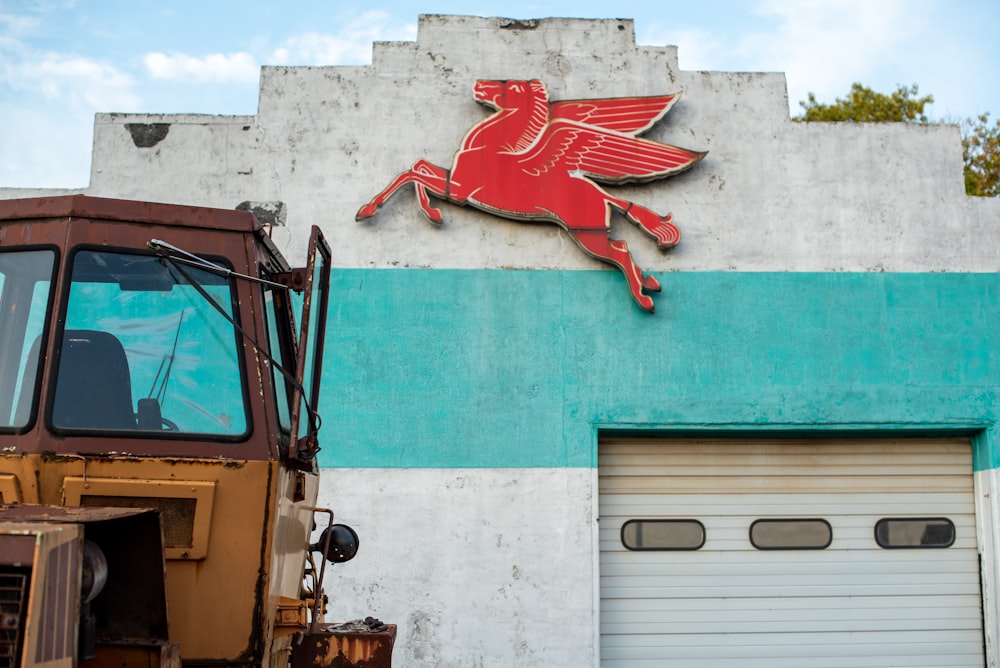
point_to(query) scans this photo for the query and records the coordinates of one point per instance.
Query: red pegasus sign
(536, 160)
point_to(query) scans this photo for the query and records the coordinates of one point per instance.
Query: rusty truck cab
(149, 358)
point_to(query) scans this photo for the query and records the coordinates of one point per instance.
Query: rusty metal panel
(16, 550)
(61, 514)
(101, 208)
(155, 655)
(329, 645)
(46, 627)
(59, 603)
(9, 489)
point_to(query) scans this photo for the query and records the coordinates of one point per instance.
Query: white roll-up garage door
(766, 553)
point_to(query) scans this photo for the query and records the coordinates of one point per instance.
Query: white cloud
(352, 45)
(70, 80)
(822, 46)
(237, 67)
(47, 101)
(46, 147)
(14, 25)
(826, 45)
(48, 120)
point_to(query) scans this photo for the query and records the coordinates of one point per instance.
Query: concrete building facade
(498, 410)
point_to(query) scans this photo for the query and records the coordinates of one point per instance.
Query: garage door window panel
(663, 535)
(915, 532)
(791, 534)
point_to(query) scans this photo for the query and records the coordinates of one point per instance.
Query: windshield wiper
(162, 248)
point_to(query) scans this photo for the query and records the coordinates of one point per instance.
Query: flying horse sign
(536, 160)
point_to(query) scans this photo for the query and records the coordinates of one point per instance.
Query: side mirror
(338, 543)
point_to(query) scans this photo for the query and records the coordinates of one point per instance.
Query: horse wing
(604, 156)
(630, 115)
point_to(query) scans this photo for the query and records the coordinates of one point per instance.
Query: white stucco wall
(478, 567)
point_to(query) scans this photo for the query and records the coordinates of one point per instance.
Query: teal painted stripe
(494, 368)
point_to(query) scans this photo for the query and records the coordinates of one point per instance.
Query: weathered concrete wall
(494, 565)
(771, 195)
(830, 278)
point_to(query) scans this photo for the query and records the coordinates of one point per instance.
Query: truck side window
(314, 331)
(145, 348)
(25, 280)
(281, 349)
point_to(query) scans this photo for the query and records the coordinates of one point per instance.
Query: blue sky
(62, 61)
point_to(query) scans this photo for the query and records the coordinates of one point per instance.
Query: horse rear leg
(433, 214)
(614, 251)
(426, 177)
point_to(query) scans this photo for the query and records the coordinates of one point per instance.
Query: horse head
(501, 94)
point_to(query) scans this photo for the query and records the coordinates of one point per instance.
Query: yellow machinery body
(234, 534)
(157, 360)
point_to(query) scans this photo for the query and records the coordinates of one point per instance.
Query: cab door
(309, 354)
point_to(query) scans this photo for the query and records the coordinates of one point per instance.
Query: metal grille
(13, 601)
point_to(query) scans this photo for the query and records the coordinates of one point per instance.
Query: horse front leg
(426, 177)
(614, 251)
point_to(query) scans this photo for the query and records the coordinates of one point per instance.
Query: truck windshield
(25, 279)
(144, 348)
